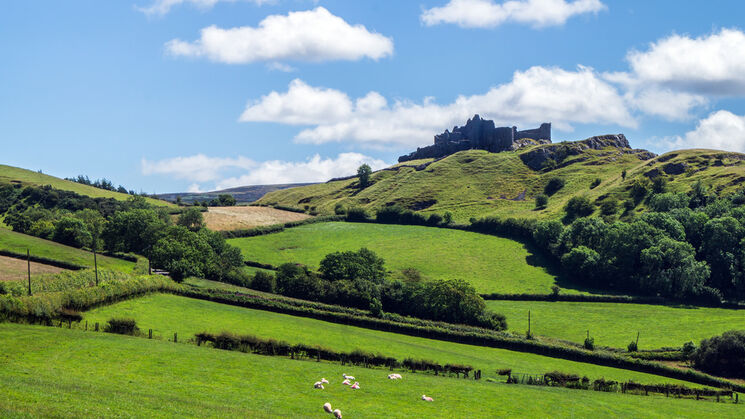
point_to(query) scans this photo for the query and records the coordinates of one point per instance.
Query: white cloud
(721, 130)
(487, 13)
(313, 35)
(533, 96)
(678, 74)
(275, 66)
(200, 169)
(314, 169)
(712, 64)
(162, 7)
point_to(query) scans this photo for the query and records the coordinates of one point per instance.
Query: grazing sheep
(427, 398)
(324, 381)
(398, 376)
(327, 408)
(356, 385)
(348, 377)
(337, 414)
(318, 384)
(394, 376)
(346, 382)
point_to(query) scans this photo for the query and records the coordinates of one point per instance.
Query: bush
(434, 220)
(555, 290)
(609, 207)
(264, 281)
(595, 183)
(339, 209)
(448, 218)
(541, 201)
(633, 347)
(356, 214)
(578, 206)
(589, 344)
(689, 348)
(553, 186)
(122, 326)
(722, 355)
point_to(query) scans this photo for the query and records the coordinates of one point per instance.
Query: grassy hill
(242, 194)
(615, 325)
(18, 243)
(10, 174)
(166, 314)
(477, 183)
(491, 264)
(101, 375)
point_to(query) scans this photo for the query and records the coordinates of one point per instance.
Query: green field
(70, 373)
(615, 324)
(491, 264)
(10, 174)
(167, 314)
(476, 183)
(17, 242)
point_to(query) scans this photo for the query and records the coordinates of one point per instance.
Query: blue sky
(175, 95)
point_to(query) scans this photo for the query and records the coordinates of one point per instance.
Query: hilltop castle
(483, 135)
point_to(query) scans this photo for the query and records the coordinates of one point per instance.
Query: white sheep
(394, 376)
(348, 377)
(327, 408)
(427, 398)
(356, 385)
(346, 382)
(318, 384)
(398, 376)
(324, 381)
(337, 414)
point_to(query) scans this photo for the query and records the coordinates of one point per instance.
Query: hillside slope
(16, 175)
(476, 183)
(242, 194)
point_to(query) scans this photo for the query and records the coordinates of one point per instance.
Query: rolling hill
(15, 175)
(477, 183)
(242, 194)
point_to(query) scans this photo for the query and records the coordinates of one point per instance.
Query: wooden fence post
(28, 261)
(175, 337)
(150, 333)
(96, 326)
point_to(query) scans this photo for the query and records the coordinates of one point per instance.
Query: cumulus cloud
(313, 35)
(487, 13)
(678, 74)
(721, 130)
(200, 169)
(162, 7)
(712, 64)
(533, 96)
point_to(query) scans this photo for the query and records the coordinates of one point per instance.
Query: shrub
(447, 218)
(264, 281)
(722, 355)
(578, 206)
(356, 214)
(553, 185)
(689, 348)
(595, 183)
(589, 343)
(541, 201)
(434, 219)
(339, 209)
(376, 308)
(555, 290)
(633, 347)
(609, 207)
(122, 326)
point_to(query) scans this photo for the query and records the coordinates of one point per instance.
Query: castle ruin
(480, 134)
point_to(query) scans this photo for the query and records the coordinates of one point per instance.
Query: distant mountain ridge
(242, 194)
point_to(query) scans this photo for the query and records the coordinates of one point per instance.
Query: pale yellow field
(13, 269)
(234, 218)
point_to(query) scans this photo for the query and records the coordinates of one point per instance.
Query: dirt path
(14, 269)
(233, 218)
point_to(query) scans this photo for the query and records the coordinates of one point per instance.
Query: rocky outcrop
(480, 134)
(539, 158)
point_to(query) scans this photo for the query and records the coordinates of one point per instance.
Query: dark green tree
(191, 218)
(363, 173)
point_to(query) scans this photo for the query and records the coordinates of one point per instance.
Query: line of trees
(102, 183)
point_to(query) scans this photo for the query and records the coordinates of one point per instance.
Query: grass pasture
(12, 269)
(615, 324)
(10, 174)
(244, 217)
(101, 375)
(166, 314)
(18, 243)
(491, 264)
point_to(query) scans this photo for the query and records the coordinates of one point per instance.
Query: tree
(264, 281)
(722, 355)
(639, 189)
(183, 253)
(582, 263)
(363, 264)
(609, 207)
(578, 206)
(548, 234)
(363, 173)
(448, 218)
(670, 268)
(226, 200)
(553, 186)
(659, 185)
(72, 232)
(135, 231)
(191, 218)
(623, 174)
(541, 201)
(94, 223)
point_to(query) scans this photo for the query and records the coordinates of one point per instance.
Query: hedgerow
(276, 228)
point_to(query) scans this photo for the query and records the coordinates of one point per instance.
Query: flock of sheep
(348, 382)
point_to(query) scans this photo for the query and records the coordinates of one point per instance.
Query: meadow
(489, 263)
(18, 243)
(167, 314)
(10, 174)
(245, 217)
(12, 269)
(96, 374)
(615, 324)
